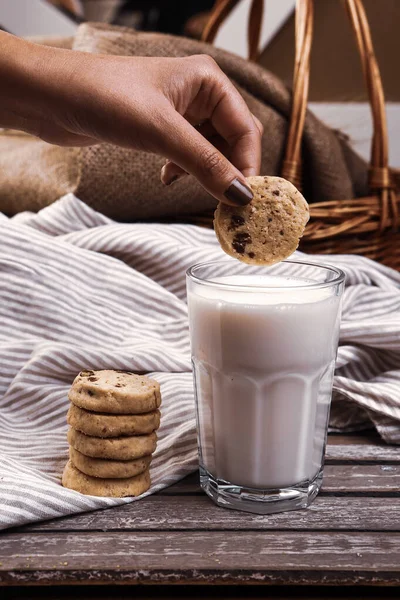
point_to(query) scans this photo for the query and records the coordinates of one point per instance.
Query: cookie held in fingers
(120, 448)
(268, 229)
(115, 392)
(105, 426)
(106, 468)
(94, 486)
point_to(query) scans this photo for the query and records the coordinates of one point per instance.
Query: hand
(184, 109)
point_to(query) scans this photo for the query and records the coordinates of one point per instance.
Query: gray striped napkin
(78, 290)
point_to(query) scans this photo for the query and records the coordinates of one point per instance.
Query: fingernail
(171, 180)
(238, 193)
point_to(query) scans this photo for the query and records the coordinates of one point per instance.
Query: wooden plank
(363, 453)
(341, 478)
(188, 485)
(356, 479)
(361, 449)
(338, 479)
(201, 557)
(362, 437)
(157, 513)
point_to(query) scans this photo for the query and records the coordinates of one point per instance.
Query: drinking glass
(264, 343)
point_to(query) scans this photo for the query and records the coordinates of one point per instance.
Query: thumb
(191, 151)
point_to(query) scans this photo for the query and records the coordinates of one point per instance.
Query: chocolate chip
(243, 237)
(240, 240)
(236, 221)
(239, 247)
(90, 393)
(86, 373)
(251, 255)
(270, 220)
(275, 192)
(281, 232)
(93, 379)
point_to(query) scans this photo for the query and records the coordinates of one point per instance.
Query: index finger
(233, 120)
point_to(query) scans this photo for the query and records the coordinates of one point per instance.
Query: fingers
(237, 126)
(260, 126)
(171, 172)
(192, 152)
(233, 121)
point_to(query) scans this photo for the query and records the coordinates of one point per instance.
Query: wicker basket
(369, 225)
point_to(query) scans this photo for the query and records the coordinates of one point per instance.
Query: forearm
(146, 103)
(32, 78)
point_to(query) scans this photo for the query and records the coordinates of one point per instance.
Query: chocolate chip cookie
(106, 468)
(95, 486)
(119, 448)
(115, 392)
(106, 426)
(268, 229)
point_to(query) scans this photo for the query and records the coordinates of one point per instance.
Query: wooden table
(350, 536)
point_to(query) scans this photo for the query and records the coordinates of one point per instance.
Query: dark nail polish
(173, 178)
(238, 193)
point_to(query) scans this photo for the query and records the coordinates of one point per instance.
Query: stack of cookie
(113, 417)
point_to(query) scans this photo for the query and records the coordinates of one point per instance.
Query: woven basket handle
(379, 173)
(380, 180)
(222, 9)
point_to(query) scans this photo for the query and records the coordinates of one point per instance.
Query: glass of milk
(264, 343)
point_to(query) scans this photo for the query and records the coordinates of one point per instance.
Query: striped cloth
(78, 290)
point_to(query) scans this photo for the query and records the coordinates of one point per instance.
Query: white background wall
(233, 33)
(354, 119)
(34, 17)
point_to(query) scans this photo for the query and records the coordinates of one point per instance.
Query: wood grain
(362, 453)
(362, 437)
(356, 479)
(195, 513)
(199, 557)
(349, 536)
(347, 478)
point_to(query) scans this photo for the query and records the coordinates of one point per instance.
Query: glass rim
(338, 279)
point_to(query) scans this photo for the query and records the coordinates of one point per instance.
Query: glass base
(262, 502)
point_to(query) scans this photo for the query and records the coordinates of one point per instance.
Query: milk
(263, 356)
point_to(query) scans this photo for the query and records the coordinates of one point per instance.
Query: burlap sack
(125, 184)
